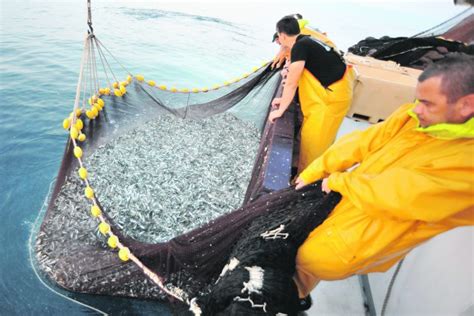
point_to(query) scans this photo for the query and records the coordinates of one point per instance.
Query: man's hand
(280, 58)
(299, 183)
(276, 102)
(276, 63)
(324, 186)
(274, 115)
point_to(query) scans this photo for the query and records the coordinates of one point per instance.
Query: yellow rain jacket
(323, 111)
(409, 186)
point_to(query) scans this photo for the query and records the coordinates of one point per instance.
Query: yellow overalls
(323, 111)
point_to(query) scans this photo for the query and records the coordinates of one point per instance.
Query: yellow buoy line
(75, 127)
(152, 83)
(104, 227)
(119, 89)
(74, 124)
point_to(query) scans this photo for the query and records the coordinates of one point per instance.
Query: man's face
(433, 107)
(282, 39)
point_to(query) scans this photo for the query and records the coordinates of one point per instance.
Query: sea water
(183, 43)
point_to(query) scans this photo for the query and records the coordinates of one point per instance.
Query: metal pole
(367, 295)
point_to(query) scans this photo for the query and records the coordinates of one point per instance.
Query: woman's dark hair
(288, 25)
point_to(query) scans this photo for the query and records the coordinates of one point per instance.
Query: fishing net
(258, 277)
(180, 181)
(422, 49)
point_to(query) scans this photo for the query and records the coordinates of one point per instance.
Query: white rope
(123, 67)
(99, 49)
(275, 233)
(79, 81)
(91, 80)
(94, 67)
(102, 62)
(31, 256)
(252, 304)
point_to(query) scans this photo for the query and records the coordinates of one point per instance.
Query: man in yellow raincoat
(414, 179)
(325, 86)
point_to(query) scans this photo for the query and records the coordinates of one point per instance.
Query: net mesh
(422, 49)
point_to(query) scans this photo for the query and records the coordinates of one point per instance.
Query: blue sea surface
(184, 44)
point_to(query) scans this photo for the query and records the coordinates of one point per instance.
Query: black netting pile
(424, 48)
(266, 254)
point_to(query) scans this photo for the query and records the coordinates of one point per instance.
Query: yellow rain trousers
(409, 187)
(323, 111)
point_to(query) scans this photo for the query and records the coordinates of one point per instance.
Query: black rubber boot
(305, 303)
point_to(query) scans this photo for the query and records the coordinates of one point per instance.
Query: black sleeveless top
(321, 60)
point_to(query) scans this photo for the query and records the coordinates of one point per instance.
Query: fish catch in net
(160, 188)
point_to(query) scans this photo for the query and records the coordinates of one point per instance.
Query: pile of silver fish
(157, 181)
(173, 175)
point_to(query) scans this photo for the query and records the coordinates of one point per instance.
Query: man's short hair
(275, 37)
(288, 25)
(457, 75)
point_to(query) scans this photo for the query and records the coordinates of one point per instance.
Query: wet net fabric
(409, 52)
(423, 48)
(266, 253)
(74, 255)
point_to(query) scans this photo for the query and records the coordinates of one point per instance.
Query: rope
(94, 66)
(114, 57)
(214, 87)
(84, 83)
(390, 287)
(443, 23)
(102, 62)
(79, 81)
(91, 89)
(33, 232)
(187, 106)
(99, 47)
